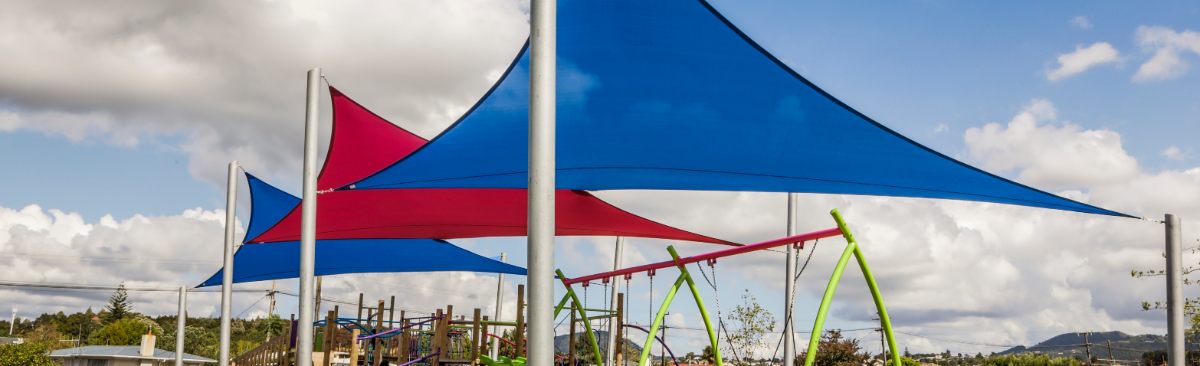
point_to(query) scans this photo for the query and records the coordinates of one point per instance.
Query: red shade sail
(364, 143)
(464, 213)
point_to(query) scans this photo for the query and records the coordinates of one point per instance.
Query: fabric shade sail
(273, 261)
(276, 261)
(671, 95)
(361, 138)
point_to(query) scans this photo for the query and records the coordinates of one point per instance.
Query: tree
(125, 331)
(708, 355)
(27, 354)
(750, 322)
(836, 350)
(118, 305)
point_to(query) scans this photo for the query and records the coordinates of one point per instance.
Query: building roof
(125, 352)
(11, 340)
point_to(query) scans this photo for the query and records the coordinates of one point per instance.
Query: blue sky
(195, 96)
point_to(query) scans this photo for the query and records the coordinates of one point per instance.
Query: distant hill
(1123, 346)
(561, 342)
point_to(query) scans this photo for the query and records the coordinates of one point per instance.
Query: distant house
(143, 355)
(11, 340)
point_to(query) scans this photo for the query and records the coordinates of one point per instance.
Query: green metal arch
(819, 324)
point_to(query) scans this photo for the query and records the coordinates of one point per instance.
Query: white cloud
(1173, 153)
(1082, 59)
(1168, 46)
(1081, 22)
(1050, 153)
(226, 79)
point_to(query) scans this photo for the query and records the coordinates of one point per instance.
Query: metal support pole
(542, 34)
(789, 285)
(1175, 335)
(180, 324)
(610, 345)
(227, 269)
(308, 221)
(495, 348)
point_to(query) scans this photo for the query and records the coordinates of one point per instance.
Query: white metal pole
(12, 324)
(789, 285)
(308, 222)
(542, 33)
(610, 353)
(1175, 345)
(495, 351)
(180, 324)
(227, 270)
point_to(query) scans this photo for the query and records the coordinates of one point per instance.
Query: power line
(51, 286)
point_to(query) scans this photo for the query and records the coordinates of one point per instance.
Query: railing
(274, 352)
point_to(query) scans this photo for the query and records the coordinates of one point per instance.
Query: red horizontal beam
(707, 256)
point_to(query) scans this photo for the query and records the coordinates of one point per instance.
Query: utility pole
(882, 344)
(1108, 345)
(1087, 345)
(495, 349)
(1176, 353)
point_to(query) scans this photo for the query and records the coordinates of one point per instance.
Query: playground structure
(380, 333)
(443, 337)
(710, 258)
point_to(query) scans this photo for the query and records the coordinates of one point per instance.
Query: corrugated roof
(132, 352)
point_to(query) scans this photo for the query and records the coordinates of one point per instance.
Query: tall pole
(610, 353)
(180, 324)
(542, 34)
(789, 285)
(12, 324)
(1175, 345)
(495, 350)
(227, 271)
(308, 221)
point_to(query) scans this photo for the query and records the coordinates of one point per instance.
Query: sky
(116, 125)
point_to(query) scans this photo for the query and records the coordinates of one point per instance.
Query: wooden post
(377, 342)
(483, 337)
(475, 338)
(620, 342)
(402, 357)
(571, 339)
(288, 352)
(358, 318)
(354, 347)
(439, 326)
(519, 333)
(445, 350)
(330, 329)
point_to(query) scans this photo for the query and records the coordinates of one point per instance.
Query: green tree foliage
(27, 354)
(836, 350)
(1029, 359)
(118, 305)
(125, 331)
(708, 355)
(750, 324)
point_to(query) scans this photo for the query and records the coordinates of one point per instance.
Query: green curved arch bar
(818, 325)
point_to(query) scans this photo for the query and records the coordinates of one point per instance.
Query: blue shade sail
(670, 95)
(275, 261)
(268, 205)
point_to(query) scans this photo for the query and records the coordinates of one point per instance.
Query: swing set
(710, 258)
